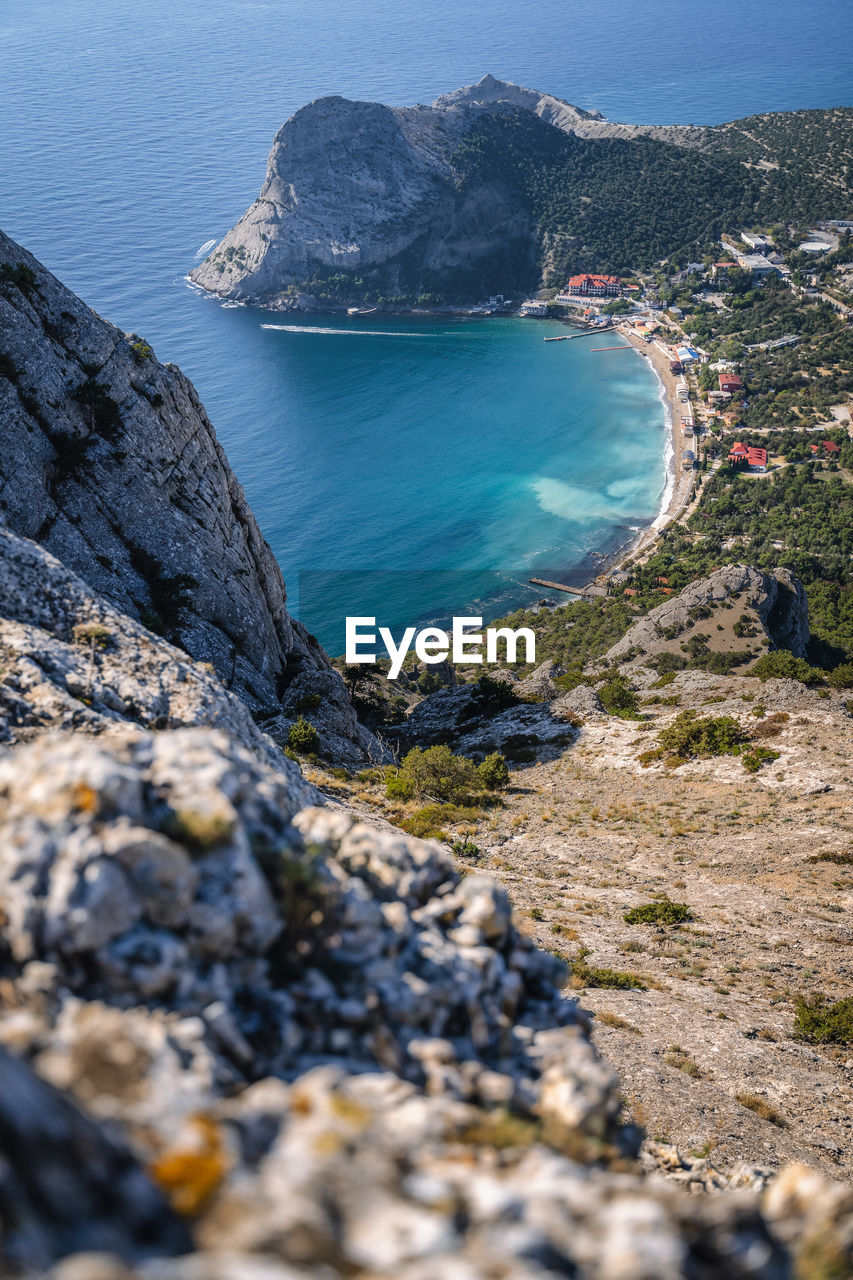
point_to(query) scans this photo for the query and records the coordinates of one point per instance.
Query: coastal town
(693, 325)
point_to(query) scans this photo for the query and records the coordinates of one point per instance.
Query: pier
(569, 337)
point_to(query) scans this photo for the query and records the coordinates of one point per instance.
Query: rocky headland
(248, 1035)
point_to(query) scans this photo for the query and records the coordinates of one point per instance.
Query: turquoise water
(131, 134)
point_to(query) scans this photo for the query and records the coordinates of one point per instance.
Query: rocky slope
(734, 609)
(109, 461)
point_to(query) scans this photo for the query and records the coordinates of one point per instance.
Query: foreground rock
(108, 459)
(331, 1055)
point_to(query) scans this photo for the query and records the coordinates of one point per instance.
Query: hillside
(495, 188)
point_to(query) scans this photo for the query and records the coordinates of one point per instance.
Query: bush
(491, 694)
(782, 665)
(662, 912)
(99, 408)
(821, 1021)
(493, 773)
(689, 736)
(761, 1107)
(590, 975)
(466, 849)
(439, 773)
(619, 699)
(754, 757)
(841, 677)
(429, 822)
(303, 737)
(92, 633)
(399, 788)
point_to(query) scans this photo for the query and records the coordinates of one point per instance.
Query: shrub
(663, 680)
(690, 736)
(841, 677)
(821, 1021)
(429, 822)
(399, 788)
(303, 738)
(439, 773)
(491, 694)
(141, 351)
(761, 1107)
(493, 773)
(590, 975)
(782, 665)
(91, 633)
(22, 276)
(466, 849)
(99, 408)
(754, 757)
(661, 912)
(666, 663)
(619, 699)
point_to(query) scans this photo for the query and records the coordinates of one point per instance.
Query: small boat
(361, 311)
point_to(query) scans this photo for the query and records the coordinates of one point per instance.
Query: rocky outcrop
(71, 661)
(734, 608)
(108, 459)
(354, 186)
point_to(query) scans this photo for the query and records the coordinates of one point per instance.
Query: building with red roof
(594, 286)
(831, 446)
(730, 382)
(745, 455)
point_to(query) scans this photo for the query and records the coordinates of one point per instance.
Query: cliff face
(358, 185)
(108, 459)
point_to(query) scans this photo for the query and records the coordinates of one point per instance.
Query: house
(729, 382)
(743, 455)
(594, 286)
(831, 446)
(721, 269)
(719, 396)
(688, 458)
(534, 307)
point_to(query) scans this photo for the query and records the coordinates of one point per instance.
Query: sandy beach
(679, 482)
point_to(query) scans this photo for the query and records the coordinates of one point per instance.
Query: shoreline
(679, 483)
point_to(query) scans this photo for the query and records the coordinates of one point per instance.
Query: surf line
(367, 333)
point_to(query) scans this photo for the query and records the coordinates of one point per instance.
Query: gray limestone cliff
(109, 461)
(358, 185)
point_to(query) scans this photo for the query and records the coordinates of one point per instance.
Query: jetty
(555, 586)
(569, 337)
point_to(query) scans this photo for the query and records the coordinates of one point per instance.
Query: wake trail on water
(366, 333)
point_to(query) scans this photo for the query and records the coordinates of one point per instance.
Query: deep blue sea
(130, 134)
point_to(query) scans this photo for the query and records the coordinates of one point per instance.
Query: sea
(407, 469)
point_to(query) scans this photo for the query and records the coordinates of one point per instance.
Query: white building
(534, 307)
(756, 244)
